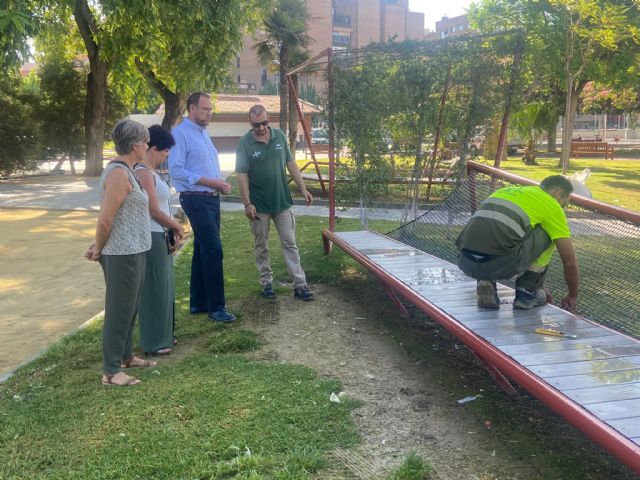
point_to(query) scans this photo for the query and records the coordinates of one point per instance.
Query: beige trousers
(285, 224)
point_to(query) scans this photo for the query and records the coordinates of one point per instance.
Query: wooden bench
(592, 380)
(584, 148)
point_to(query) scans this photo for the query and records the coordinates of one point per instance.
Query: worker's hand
(549, 296)
(308, 198)
(250, 211)
(569, 303)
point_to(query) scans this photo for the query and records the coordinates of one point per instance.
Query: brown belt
(208, 194)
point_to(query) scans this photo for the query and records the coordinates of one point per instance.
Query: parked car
(319, 136)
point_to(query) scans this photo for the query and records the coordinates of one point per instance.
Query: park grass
(616, 182)
(205, 412)
(413, 467)
(219, 415)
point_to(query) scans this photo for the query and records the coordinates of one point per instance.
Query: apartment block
(452, 27)
(336, 24)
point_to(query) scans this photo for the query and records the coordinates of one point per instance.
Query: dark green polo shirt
(265, 164)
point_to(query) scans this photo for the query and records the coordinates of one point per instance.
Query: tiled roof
(227, 103)
(237, 103)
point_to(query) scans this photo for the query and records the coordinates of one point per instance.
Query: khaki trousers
(285, 225)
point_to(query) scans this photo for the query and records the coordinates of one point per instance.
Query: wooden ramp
(593, 380)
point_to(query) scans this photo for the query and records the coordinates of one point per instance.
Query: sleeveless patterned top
(130, 231)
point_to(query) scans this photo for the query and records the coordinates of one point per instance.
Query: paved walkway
(67, 192)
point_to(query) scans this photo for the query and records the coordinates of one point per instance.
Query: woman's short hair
(160, 138)
(127, 133)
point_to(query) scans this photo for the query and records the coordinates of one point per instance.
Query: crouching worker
(514, 233)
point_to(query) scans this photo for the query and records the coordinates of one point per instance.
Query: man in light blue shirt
(195, 172)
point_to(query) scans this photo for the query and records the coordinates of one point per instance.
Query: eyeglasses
(260, 124)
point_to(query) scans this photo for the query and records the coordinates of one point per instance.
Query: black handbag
(170, 239)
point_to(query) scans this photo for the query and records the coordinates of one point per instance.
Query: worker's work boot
(487, 295)
(527, 299)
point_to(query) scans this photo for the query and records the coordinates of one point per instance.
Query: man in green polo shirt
(514, 232)
(261, 158)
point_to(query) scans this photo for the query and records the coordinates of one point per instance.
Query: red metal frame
(618, 445)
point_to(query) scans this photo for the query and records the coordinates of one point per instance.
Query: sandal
(160, 351)
(137, 362)
(109, 379)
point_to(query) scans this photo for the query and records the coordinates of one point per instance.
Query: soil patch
(406, 406)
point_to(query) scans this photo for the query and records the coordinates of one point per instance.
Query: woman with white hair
(122, 239)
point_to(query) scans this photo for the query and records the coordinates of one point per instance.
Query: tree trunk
(567, 126)
(552, 135)
(95, 111)
(174, 105)
(571, 107)
(284, 90)
(95, 115)
(293, 118)
(492, 142)
(502, 136)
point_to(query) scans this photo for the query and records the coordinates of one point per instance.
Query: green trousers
(158, 297)
(519, 261)
(123, 276)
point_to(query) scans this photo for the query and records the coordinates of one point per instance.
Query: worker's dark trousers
(515, 262)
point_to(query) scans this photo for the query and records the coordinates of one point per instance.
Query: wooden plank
(628, 426)
(530, 323)
(609, 393)
(505, 329)
(545, 315)
(615, 377)
(615, 410)
(565, 356)
(588, 367)
(531, 342)
(452, 298)
(528, 337)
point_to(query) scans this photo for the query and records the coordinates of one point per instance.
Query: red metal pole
(307, 134)
(332, 158)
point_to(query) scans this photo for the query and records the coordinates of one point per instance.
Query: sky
(434, 9)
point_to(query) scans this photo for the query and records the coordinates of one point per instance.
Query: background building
(336, 24)
(452, 27)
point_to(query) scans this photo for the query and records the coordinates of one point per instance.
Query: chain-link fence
(607, 248)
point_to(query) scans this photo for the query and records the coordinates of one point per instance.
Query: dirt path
(406, 406)
(47, 288)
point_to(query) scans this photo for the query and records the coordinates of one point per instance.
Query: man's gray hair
(256, 110)
(127, 133)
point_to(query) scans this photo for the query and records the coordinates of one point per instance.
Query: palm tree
(285, 35)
